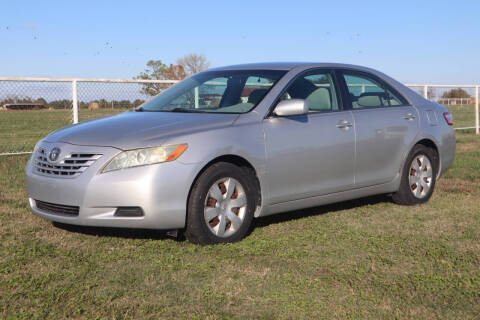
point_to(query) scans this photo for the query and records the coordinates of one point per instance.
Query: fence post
(477, 124)
(425, 92)
(74, 101)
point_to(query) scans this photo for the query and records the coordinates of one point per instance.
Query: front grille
(59, 209)
(70, 166)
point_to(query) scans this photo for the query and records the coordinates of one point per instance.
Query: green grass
(20, 130)
(463, 115)
(363, 259)
(85, 114)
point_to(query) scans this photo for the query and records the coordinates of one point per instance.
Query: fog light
(129, 212)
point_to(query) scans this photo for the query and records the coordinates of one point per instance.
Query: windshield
(230, 91)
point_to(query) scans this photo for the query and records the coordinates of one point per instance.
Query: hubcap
(225, 207)
(420, 176)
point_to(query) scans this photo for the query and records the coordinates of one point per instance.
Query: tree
(194, 63)
(138, 102)
(41, 101)
(154, 71)
(14, 98)
(175, 72)
(456, 93)
(430, 93)
(157, 70)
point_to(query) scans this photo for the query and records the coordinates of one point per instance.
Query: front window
(231, 91)
(317, 88)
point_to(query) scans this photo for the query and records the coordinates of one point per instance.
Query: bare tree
(174, 72)
(430, 93)
(194, 63)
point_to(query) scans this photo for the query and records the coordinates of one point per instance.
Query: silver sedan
(234, 143)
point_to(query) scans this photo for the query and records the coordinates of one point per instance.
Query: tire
(214, 197)
(417, 186)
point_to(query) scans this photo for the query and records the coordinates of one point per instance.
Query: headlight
(142, 157)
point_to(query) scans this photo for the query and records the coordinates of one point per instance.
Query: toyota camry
(231, 144)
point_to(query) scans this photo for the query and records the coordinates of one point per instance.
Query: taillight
(448, 118)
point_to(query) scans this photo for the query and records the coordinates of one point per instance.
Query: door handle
(344, 124)
(409, 116)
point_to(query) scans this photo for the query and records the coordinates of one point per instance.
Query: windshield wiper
(179, 110)
(184, 110)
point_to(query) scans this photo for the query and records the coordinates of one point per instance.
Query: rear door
(385, 126)
(312, 154)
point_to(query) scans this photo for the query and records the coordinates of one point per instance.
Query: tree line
(185, 66)
(456, 93)
(67, 103)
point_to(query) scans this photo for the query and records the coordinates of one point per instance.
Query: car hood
(131, 130)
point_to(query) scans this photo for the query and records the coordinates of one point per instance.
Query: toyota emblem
(54, 153)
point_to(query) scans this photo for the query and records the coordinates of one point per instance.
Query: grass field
(363, 259)
(20, 130)
(463, 116)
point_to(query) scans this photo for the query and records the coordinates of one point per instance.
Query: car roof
(289, 66)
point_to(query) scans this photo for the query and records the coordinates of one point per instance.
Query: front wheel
(418, 177)
(221, 205)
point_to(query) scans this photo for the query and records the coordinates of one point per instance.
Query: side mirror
(291, 107)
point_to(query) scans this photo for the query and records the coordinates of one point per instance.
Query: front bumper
(160, 190)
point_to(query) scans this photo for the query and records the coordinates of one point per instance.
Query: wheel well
(430, 144)
(238, 161)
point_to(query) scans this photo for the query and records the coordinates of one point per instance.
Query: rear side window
(317, 88)
(366, 92)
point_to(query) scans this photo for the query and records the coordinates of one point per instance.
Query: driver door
(313, 154)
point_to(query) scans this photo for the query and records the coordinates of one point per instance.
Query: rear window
(366, 92)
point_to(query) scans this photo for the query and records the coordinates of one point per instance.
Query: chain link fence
(30, 108)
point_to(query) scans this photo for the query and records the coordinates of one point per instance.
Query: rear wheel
(221, 205)
(418, 177)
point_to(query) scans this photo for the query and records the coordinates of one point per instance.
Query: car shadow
(257, 223)
(115, 232)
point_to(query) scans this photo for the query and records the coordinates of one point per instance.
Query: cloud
(32, 26)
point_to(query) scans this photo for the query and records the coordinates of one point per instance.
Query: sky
(412, 41)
